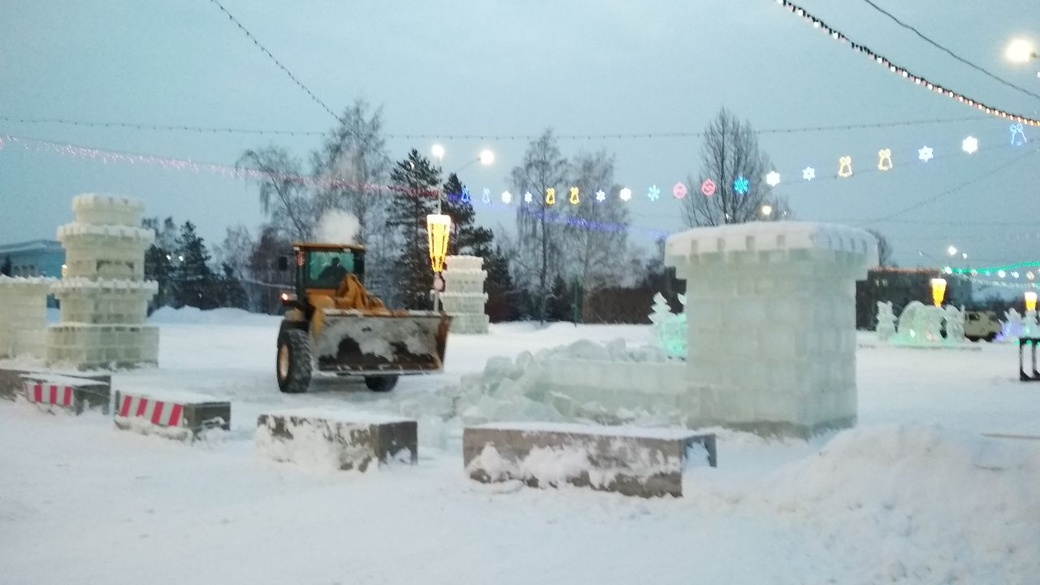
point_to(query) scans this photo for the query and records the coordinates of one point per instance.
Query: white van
(981, 325)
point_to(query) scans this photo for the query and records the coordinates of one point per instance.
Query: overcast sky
(493, 67)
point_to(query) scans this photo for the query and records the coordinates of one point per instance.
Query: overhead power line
(935, 44)
(275, 60)
(952, 190)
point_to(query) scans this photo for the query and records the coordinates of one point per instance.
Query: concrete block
(627, 460)
(177, 415)
(343, 441)
(73, 394)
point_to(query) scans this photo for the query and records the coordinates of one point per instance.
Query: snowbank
(922, 498)
(193, 316)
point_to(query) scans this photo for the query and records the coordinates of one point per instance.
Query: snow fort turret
(103, 292)
(464, 297)
(771, 311)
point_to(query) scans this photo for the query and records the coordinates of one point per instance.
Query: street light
(952, 251)
(1020, 51)
(767, 210)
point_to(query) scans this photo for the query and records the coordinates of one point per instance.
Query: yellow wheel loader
(332, 324)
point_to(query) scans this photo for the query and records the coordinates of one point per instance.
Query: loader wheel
(293, 365)
(380, 383)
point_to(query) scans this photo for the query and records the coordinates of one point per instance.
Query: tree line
(560, 261)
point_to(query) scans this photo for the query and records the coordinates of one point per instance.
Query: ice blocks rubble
(464, 297)
(772, 330)
(104, 296)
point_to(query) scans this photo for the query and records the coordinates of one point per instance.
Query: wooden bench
(631, 461)
(337, 440)
(177, 415)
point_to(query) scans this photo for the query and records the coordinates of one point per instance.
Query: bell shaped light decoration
(938, 291)
(438, 228)
(1030, 300)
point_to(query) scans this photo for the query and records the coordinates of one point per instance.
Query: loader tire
(293, 363)
(380, 383)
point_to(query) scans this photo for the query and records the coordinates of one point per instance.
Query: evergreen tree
(158, 259)
(414, 177)
(230, 290)
(466, 238)
(6, 268)
(502, 295)
(193, 279)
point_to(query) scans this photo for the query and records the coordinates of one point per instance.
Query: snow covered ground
(915, 494)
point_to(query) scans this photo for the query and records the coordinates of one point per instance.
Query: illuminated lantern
(438, 228)
(1030, 300)
(938, 291)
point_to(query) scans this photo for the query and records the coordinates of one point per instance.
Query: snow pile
(922, 498)
(193, 316)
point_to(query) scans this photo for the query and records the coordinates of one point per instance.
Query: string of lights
(487, 136)
(935, 44)
(263, 49)
(177, 164)
(1001, 283)
(902, 71)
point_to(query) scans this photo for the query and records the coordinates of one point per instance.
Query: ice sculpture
(954, 324)
(23, 316)
(464, 297)
(669, 328)
(104, 297)
(1012, 326)
(771, 314)
(886, 321)
(922, 325)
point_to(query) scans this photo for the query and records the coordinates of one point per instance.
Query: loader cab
(321, 267)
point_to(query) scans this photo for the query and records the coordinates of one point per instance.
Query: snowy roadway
(914, 494)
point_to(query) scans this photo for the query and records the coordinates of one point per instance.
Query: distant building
(34, 258)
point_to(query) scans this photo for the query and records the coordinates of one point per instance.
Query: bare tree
(538, 223)
(730, 153)
(283, 193)
(597, 231)
(351, 169)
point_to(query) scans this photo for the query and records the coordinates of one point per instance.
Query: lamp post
(438, 225)
(938, 291)
(1021, 51)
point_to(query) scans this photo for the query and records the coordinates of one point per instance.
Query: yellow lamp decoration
(938, 291)
(1030, 300)
(845, 167)
(550, 196)
(575, 199)
(438, 228)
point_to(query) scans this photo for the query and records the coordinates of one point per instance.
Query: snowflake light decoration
(625, 194)
(528, 198)
(773, 179)
(970, 145)
(507, 197)
(741, 185)
(808, 173)
(925, 154)
(601, 196)
(653, 194)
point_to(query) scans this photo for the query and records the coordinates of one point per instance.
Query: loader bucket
(354, 342)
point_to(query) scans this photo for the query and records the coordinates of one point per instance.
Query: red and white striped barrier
(180, 415)
(49, 394)
(58, 392)
(159, 412)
